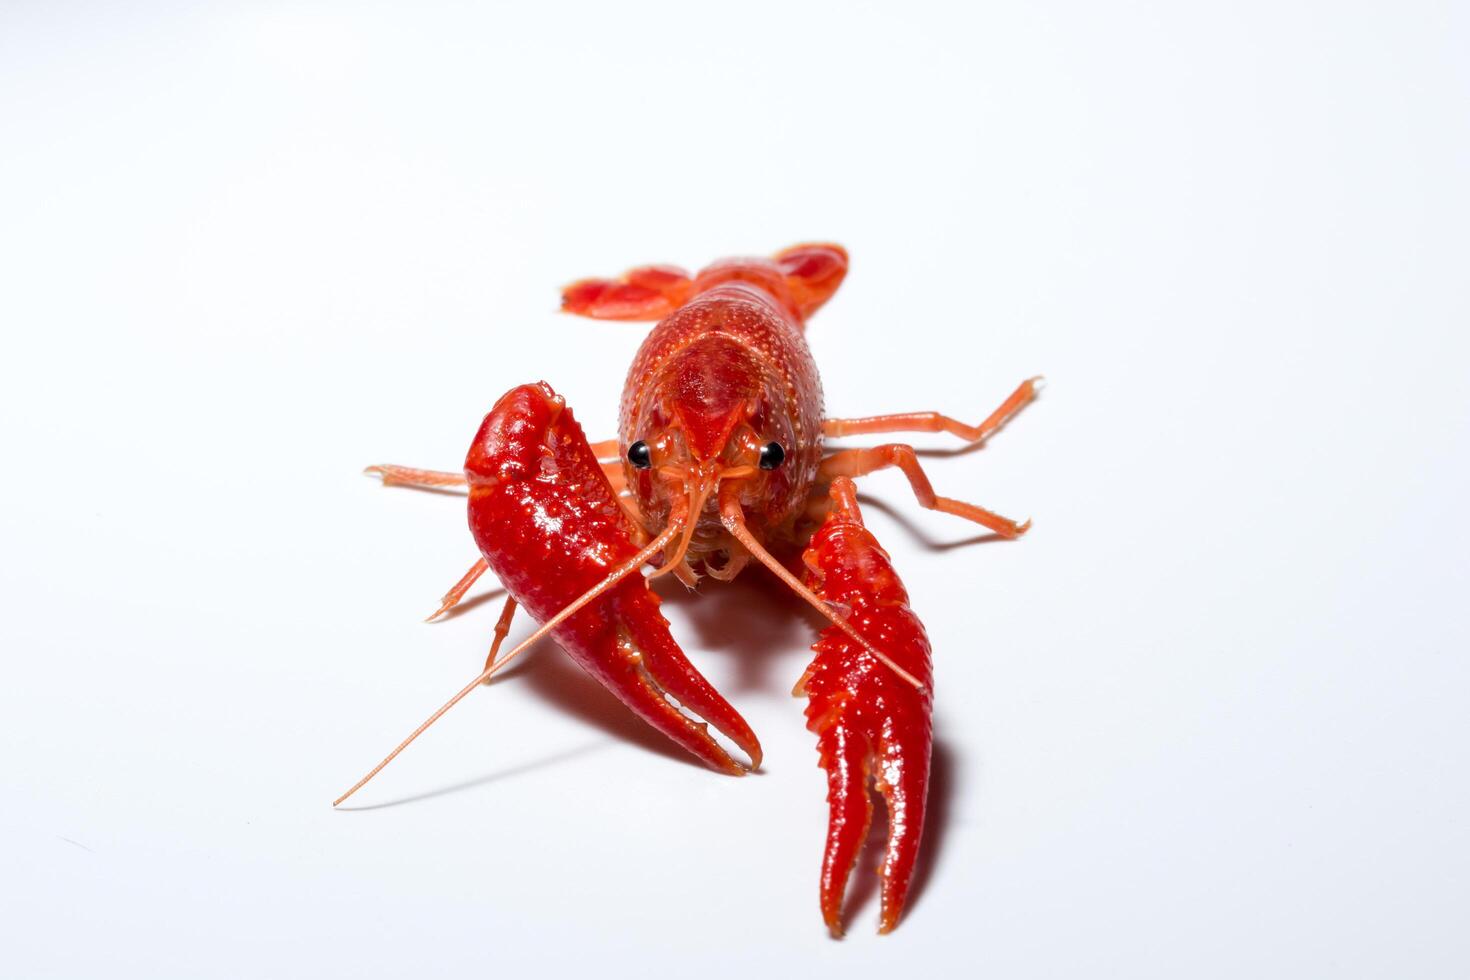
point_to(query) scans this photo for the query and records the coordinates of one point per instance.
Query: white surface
(1208, 720)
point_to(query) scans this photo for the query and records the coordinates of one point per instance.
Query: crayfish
(720, 461)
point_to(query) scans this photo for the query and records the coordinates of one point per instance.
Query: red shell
(737, 347)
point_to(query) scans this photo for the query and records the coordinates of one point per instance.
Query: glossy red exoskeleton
(720, 461)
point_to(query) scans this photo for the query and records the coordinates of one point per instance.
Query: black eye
(772, 455)
(639, 455)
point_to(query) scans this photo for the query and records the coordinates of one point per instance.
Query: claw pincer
(870, 724)
(549, 525)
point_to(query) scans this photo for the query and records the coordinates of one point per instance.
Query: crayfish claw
(873, 729)
(548, 524)
(664, 688)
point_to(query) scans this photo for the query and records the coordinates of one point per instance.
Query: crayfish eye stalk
(733, 518)
(640, 457)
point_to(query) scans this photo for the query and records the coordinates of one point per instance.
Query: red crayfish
(720, 461)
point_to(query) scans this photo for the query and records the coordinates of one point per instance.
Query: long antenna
(618, 574)
(734, 520)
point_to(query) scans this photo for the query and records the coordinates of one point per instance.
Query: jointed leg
(934, 422)
(452, 597)
(407, 476)
(860, 462)
(502, 627)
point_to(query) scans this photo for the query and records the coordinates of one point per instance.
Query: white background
(1207, 720)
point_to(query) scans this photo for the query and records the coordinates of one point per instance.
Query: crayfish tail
(649, 292)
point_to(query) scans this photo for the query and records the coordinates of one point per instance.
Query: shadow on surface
(948, 453)
(493, 777)
(460, 492)
(547, 672)
(465, 605)
(937, 819)
(757, 621)
(926, 542)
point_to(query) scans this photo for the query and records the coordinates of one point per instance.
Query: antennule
(695, 503)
